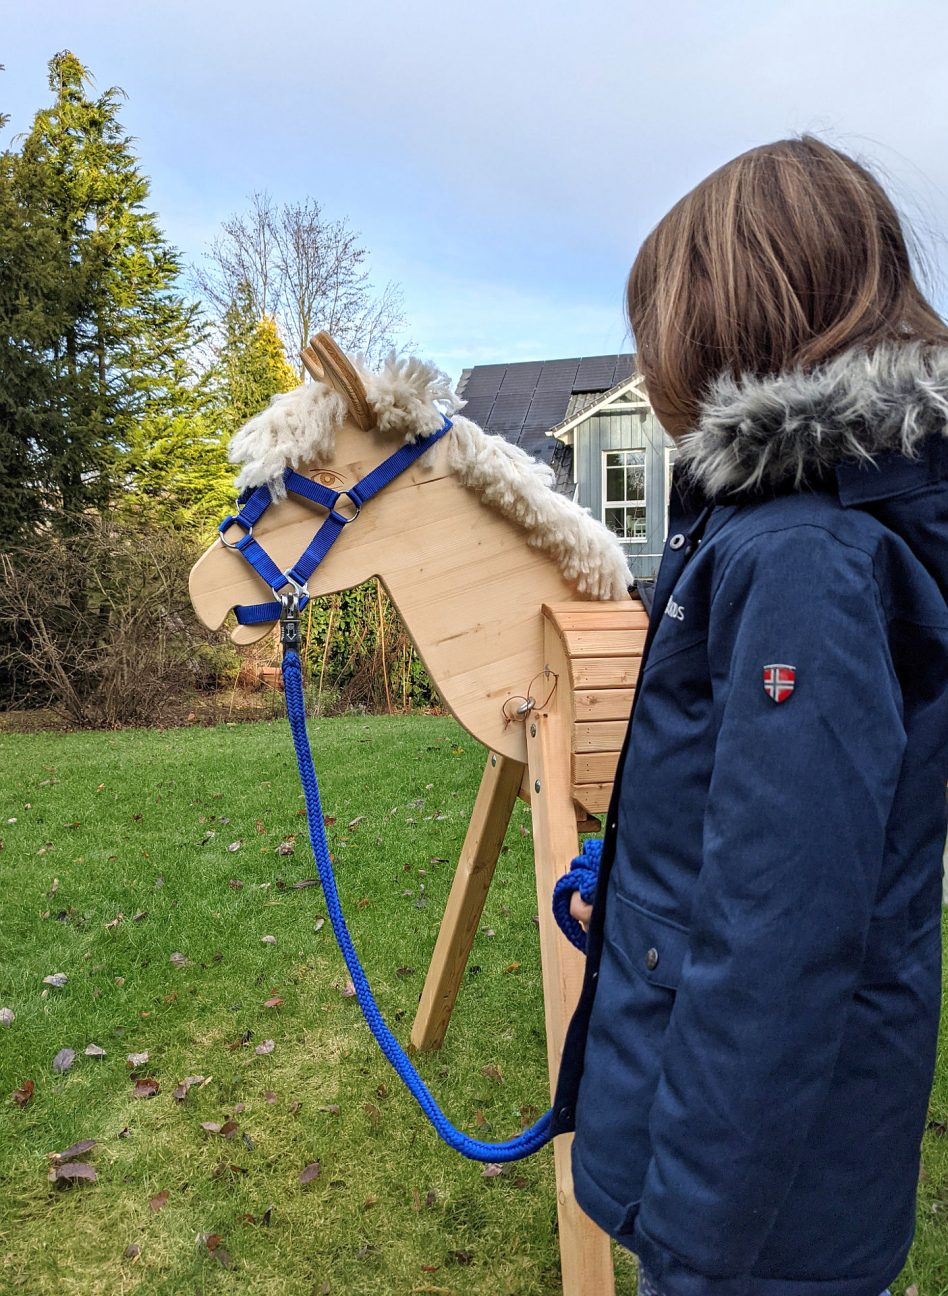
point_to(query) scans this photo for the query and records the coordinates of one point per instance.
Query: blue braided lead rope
(526, 1143)
(583, 876)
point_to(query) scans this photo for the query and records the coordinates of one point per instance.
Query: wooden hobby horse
(517, 602)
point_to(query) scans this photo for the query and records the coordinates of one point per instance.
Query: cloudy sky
(502, 159)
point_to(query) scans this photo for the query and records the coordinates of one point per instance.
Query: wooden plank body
(601, 648)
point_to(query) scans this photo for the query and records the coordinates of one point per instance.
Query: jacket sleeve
(794, 833)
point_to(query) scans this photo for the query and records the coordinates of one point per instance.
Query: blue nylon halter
(254, 502)
(287, 608)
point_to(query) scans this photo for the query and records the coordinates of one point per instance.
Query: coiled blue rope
(526, 1143)
(583, 876)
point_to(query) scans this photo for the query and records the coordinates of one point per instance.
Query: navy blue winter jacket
(749, 1066)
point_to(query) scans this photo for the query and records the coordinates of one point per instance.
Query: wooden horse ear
(325, 362)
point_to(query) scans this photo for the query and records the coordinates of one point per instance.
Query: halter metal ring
(226, 525)
(353, 501)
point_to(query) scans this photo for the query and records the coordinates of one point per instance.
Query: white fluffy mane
(407, 398)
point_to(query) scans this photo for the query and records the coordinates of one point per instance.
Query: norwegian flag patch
(779, 681)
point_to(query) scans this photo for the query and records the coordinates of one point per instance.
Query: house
(587, 418)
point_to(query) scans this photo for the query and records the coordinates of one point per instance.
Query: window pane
(615, 520)
(615, 484)
(635, 483)
(635, 523)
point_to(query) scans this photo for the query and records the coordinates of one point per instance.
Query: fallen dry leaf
(58, 979)
(180, 1091)
(137, 1059)
(210, 1127)
(159, 1200)
(132, 1252)
(63, 1060)
(146, 1088)
(348, 990)
(93, 1050)
(235, 846)
(7, 1016)
(311, 1171)
(77, 1150)
(492, 1072)
(266, 1047)
(273, 1002)
(492, 1170)
(268, 940)
(179, 960)
(72, 1172)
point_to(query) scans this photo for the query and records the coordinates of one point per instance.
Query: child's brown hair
(783, 257)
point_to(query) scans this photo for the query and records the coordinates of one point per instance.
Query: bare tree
(307, 271)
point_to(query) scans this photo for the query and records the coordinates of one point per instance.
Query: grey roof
(522, 401)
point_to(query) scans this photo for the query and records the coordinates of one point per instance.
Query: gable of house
(589, 419)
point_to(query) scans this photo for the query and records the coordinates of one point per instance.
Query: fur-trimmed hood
(789, 430)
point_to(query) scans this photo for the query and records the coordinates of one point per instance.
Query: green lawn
(139, 824)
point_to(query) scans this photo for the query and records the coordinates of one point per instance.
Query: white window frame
(626, 503)
(671, 454)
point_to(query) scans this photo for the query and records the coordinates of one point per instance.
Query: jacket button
(565, 1113)
(676, 541)
(651, 959)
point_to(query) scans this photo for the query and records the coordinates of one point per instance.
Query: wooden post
(500, 784)
(585, 1250)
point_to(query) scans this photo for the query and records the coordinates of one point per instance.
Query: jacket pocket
(654, 947)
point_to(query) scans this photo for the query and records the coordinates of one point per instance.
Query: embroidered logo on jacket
(674, 610)
(779, 681)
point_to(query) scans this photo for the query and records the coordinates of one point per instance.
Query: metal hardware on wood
(536, 785)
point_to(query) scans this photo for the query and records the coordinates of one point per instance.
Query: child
(750, 1062)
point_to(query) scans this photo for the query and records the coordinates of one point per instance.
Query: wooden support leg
(500, 784)
(585, 1250)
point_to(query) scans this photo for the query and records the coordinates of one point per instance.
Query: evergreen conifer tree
(96, 333)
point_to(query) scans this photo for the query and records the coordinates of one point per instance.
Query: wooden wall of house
(625, 429)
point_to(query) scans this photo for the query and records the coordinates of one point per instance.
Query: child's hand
(580, 910)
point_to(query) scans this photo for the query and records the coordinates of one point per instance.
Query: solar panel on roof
(521, 378)
(595, 373)
(478, 411)
(522, 401)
